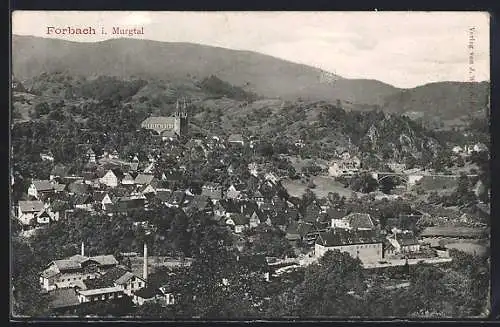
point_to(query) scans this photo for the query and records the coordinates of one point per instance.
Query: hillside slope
(265, 75)
(444, 99)
(269, 77)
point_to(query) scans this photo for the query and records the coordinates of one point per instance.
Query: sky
(404, 49)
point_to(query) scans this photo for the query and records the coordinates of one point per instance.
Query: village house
(213, 191)
(457, 149)
(388, 248)
(111, 178)
(34, 213)
(172, 178)
(363, 245)
(90, 178)
(78, 187)
(148, 190)
(116, 282)
(110, 154)
(90, 155)
(68, 272)
(308, 233)
(163, 195)
(236, 191)
(236, 139)
(254, 169)
(177, 199)
(225, 208)
(127, 203)
(102, 199)
(128, 179)
(254, 220)
(397, 167)
(238, 222)
(323, 204)
(480, 147)
(357, 221)
(404, 242)
(271, 177)
(335, 213)
(188, 198)
(153, 295)
(200, 203)
(47, 156)
(265, 217)
(299, 143)
(131, 167)
(258, 198)
(312, 213)
(280, 221)
(57, 208)
(144, 179)
(38, 188)
(83, 202)
(345, 166)
(292, 233)
(145, 225)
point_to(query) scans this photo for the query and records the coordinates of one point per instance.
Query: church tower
(181, 118)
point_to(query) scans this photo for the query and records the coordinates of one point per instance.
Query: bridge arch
(401, 176)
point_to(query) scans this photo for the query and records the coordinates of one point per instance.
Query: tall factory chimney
(83, 250)
(145, 266)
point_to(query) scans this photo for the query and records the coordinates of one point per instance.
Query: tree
(270, 242)
(154, 310)
(364, 183)
(428, 293)
(27, 298)
(56, 114)
(387, 184)
(464, 194)
(331, 287)
(180, 233)
(307, 198)
(265, 149)
(42, 108)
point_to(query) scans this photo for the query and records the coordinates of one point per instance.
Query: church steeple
(181, 116)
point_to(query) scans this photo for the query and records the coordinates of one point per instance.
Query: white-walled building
(112, 178)
(73, 270)
(358, 244)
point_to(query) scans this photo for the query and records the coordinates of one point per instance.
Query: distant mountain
(187, 64)
(447, 100)
(265, 75)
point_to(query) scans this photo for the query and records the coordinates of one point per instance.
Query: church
(169, 126)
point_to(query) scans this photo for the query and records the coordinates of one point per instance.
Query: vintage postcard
(250, 165)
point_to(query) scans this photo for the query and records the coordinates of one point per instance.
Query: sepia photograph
(249, 165)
